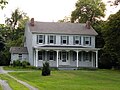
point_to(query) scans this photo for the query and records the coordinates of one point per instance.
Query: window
(51, 56)
(51, 39)
(87, 56)
(40, 55)
(65, 39)
(77, 39)
(20, 56)
(40, 39)
(87, 40)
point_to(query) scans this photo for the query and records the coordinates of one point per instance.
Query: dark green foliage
(46, 69)
(88, 10)
(25, 64)
(112, 41)
(18, 63)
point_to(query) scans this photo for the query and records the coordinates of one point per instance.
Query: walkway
(7, 87)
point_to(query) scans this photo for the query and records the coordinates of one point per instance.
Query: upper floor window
(64, 39)
(51, 39)
(87, 41)
(20, 56)
(76, 39)
(41, 39)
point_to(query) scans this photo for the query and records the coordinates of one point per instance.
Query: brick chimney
(88, 24)
(32, 22)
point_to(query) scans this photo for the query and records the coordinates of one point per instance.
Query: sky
(44, 10)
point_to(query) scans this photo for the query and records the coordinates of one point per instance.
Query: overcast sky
(43, 10)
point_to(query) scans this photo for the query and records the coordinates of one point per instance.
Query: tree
(88, 10)
(1, 44)
(3, 3)
(46, 69)
(112, 37)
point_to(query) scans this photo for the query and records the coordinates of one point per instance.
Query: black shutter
(61, 40)
(37, 39)
(83, 40)
(54, 39)
(54, 53)
(90, 40)
(73, 40)
(44, 39)
(67, 39)
(80, 40)
(79, 56)
(48, 39)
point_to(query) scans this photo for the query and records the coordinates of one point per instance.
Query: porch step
(67, 67)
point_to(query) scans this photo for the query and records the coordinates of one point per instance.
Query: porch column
(36, 58)
(77, 57)
(57, 57)
(96, 59)
(92, 59)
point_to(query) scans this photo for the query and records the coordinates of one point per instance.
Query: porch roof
(51, 47)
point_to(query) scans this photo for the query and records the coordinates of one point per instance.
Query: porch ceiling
(51, 47)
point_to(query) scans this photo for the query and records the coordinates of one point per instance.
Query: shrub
(25, 64)
(46, 69)
(16, 63)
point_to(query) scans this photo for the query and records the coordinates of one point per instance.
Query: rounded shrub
(46, 69)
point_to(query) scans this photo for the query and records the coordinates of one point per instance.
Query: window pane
(40, 55)
(20, 56)
(40, 38)
(51, 56)
(64, 41)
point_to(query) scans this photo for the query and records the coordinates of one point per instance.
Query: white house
(61, 44)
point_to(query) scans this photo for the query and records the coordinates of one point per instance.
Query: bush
(46, 69)
(25, 64)
(16, 63)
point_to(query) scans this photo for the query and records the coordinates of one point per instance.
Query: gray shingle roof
(18, 50)
(61, 28)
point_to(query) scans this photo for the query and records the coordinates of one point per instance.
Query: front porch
(66, 57)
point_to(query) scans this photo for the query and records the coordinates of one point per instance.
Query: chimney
(32, 22)
(88, 24)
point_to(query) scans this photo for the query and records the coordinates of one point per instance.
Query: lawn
(13, 84)
(72, 80)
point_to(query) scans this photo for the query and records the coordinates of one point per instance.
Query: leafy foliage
(112, 38)
(3, 3)
(46, 69)
(88, 10)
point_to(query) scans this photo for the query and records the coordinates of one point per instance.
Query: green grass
(73, 80)
(1, 87)
(13, 84)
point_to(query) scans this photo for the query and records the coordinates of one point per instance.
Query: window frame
(20, 56)
(77, 38)
(66, 38)
(40, 52)
(40, 38)
(87, 41)
(51, 55)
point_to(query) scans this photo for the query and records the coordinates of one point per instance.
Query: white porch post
(57, 57)
(36, 58)
(77, 57)
(92, 59)
(96, 59)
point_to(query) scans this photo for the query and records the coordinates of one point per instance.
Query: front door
(64, 58)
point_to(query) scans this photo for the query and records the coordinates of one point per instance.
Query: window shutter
(60, 55)
(43, 55)
(83, 56)
(48, 39)
(67, 39)
(61, 40)
(84, 40)
(80, 40)
(44, 39)
(54, 53)
(73, 40)
(48, 56)
(79, 56)
(90, 40)
(37, 39)
(54, 39)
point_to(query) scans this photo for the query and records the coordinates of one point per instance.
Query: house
(61, 44)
